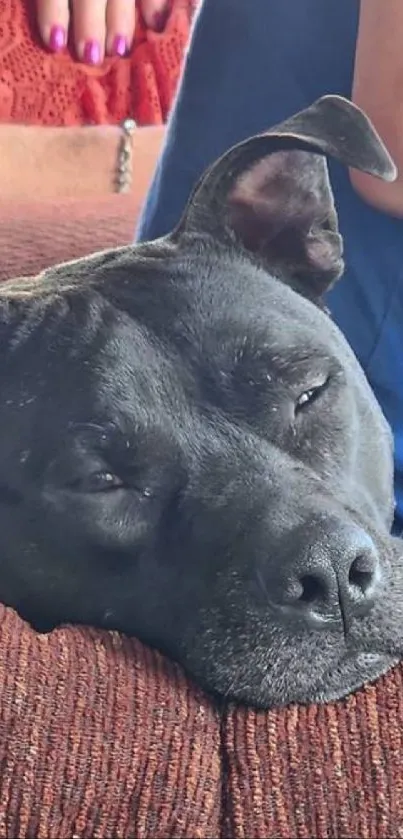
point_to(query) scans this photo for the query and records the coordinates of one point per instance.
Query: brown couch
(35, 235)
(101, 737)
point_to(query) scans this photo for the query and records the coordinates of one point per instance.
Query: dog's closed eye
(104, 481)
(309, 396)
(101, 481)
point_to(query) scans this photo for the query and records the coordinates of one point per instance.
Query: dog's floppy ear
(271, 194)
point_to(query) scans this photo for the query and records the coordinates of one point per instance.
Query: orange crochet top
(40, 88)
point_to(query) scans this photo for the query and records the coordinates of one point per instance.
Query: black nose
(334, 579)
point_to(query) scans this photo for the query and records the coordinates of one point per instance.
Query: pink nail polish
(119, 46)
(57, 38)
(92, 52)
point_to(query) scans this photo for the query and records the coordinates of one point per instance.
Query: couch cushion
(101, 737)
(35, 235)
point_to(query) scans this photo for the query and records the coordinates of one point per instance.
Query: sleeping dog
(190, 452)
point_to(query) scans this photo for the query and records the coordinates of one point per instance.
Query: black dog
(189, 450)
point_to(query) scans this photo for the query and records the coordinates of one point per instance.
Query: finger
(53, 22)
(156, 13)
(89, 22)
(120, 23)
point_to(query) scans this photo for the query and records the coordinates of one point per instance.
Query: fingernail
(92, 52)
(119, 46)
(57, 38)
(159, 20)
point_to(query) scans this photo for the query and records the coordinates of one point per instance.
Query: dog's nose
(335, 580)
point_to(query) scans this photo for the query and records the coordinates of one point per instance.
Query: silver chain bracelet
(124, 172)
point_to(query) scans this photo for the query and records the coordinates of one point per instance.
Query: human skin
(72, 162)
(378, 79)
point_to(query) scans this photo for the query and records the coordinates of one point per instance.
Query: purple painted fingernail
(57, 38)
(119, 46)
(92, 52)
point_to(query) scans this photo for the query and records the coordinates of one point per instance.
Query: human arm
(378, 89)
(71, 162)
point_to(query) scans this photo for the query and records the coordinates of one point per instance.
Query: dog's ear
(271, 194)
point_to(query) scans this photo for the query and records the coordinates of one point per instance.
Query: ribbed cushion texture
(101, 737)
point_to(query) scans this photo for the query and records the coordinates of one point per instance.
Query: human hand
(99, 27)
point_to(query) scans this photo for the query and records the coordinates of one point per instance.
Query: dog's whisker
(262, 582)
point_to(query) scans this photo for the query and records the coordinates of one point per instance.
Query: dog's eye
(308, 397)
(97, 482)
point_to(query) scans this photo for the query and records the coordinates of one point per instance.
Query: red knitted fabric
(40, 88)
(101, 737)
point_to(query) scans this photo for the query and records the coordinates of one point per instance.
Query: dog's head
(189, 450)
